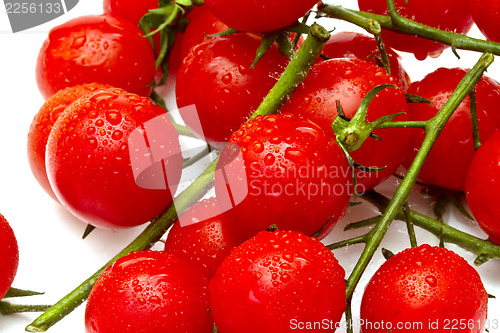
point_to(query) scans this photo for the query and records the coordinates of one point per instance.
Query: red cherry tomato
(203, 236)
(9, 253)
(482, 187)
(201, 23)
(216, 78)
(149, 292)
(450, 156)
(42, 125)
(349, 80)
(276, 282)
(450, 15)
(296, 175)
(89, 154)
(130, 10)
(96, 48)
(424, 289)
(259, 15)
(486, 15)
(355, 45)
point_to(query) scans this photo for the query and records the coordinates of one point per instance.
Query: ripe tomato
(149, 292)
(428, 286)
(486, 15)
(89, 159)
(450, 156)
(42, 125)
(355, 45)
(130, 10)
(296, 175)
(259, 15)
(9, 253)
(450, 15)
(201, 23)
(482, 187)
(277, 280)
(96, 48)
(203, 235)
(216, 78)
(349, 80)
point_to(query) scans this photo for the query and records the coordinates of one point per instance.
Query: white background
(53, 257)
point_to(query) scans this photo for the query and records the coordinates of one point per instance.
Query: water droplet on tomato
(258, 147)
(431, 280)
(99, 122)
(117, 135)
(227, 78)
(78, 41)
(295, 155)
(269, 159)
(114, 117)
(92, 143)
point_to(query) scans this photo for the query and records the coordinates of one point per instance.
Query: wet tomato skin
(482, 185)
(486, 15)
(95, 48)
(10, 256)
(149, 292)
(42, 124)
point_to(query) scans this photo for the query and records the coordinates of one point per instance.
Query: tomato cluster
(250, 258)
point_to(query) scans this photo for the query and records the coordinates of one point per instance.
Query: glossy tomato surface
(482, 187)
(452, 153)
(217, 80)
(424, 289)
(95, 48)
(130, 10)
(203, 235)
(450, 15)
(42, 125)
(89, 159)
(348, 44)
(259, 15)
(275, 282)
(149, 292)
(293, 173)
(348, 81)
(486, 15)
(9, 253)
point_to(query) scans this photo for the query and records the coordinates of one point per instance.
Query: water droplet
(91, 130)
(258, 147)
(431, 280)
(92, 143)
(269, 159)
(117, 135)
(113, 117)
(78, 41)
(296, 155)
(227, 78)
(99, 122)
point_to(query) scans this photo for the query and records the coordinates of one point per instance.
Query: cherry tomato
(149, 292)
(486, 15)
(296, 175)
(130, 10)
(277, 280)
(203, 235)
(450, 156)
(424, 289)
(216, 78)
(349, 80)
(450, 15)
(259, 15)
(96, 48)
(482, 187)
(355, 45)
(201, 23)
(42, 125)
(90, 153)
(9, 253)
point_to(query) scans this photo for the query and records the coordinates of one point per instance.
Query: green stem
(14, 292)
(473, 116)
(409, 225)
(7, 308)
(370, 24)
(404, 124)
(484, 249)
(434, 128)
(403, 25)
(293, 75)
(347, 242)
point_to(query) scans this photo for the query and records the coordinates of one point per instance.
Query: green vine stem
(433, 128)
(397, 23)
(293, 75)
(7, 308)
(15, 292)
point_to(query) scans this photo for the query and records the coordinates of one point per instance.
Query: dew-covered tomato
(9, 253)
(149, 292)
(295, 174)
(355, 45)
(447, 163)
(96, 48)
(450, 15)
(259, 15)
(486, 15)
(89, 159)
(348, 81)
(424, 289)
(482, 187)
(217, 80)
(203, 235)
(278, 282)
(42, 125)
